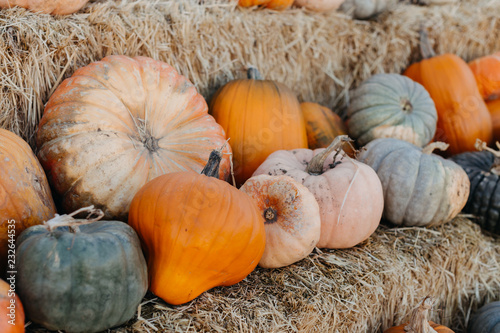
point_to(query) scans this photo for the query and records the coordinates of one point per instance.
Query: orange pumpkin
(270, 4)
(486, 70)
(11, 310)
(494, 108)
(25, 197)
(419, 323)
(55, 7)
(197, 232)
(462, 113)
(322, 125)
(292, 220)
(118, 123)
(260, 117)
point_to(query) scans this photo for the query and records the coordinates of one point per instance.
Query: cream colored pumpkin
(319, 5)
(363, 9)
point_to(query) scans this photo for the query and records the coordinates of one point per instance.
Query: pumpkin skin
(391, 106)
(11, 310)
(494, 109)
(486, 71)
(54, 7)
(486, 319)
(197, 232)
(118, 123)
(270, 4)
(292, 220)
(365, 9)
(81, 281)
(420, 188)
(349, 193)
(322, 125)
(462, 114)
(319, 5)
(25, 195)
(260, 117)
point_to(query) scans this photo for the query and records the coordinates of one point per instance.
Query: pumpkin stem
(270, 215)
(211, 169)
(315, 166)
(434, 145)
(481, 145)
(425, 47)
(406, 105)
(67, 220)
(253, 73)
(419, 322)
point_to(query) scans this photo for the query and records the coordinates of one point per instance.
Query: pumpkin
(364, 9)
(420, 188)
(319, 5)
(292, 220)
(494, 109)
(270, 4)
(391, 106)
(486, 319)
(486, 71)
(483, 170)
(11, 309)
(462, 114)
(55, 7)
(197, 232)
(260, 117)
(118, 123)
(419, 323)
(25, 197)
(349, 193)
(80, 275)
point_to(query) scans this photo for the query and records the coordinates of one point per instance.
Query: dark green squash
(486, 319)
(84, 278)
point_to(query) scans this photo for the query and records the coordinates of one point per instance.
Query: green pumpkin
(80, 279)
(486, 319)
(391, 106)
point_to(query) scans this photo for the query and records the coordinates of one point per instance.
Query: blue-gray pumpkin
(486, 319)
(86, 278)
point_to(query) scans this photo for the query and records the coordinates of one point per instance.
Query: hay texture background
(319, 56)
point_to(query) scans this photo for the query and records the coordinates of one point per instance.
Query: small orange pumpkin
(11, 310)
(322, 125)
(292, 220)
(494, 108)
(486, 70)
(270, 4)
(55, 7)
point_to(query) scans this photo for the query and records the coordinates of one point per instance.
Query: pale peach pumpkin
(55, 7)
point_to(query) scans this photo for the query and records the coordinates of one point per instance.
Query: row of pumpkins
(134, 138)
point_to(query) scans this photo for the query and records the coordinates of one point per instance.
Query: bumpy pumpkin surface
(55, 7)
(319, 5)
(391, 106)
(486, 319)
(11, 309)
(486, 71)
(292, 220)
(118, 123)
(25, 198)
(349, 193)
(198, 232)
(84, 279)
(270, 4)
(420, 188)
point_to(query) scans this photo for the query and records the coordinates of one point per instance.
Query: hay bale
(365, 289)
(319, 56)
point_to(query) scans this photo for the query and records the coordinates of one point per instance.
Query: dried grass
(319, 56)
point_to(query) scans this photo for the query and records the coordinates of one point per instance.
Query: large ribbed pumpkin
(118, 123)
(260, 117)
(197, 232)
(486, 319)
(11, 308)
(420, 188)
(25, 198)
(486, 70)
(55, 7)
(270, 4)
(391, 106)
(462, 114)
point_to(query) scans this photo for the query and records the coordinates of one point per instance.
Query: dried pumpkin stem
(211, 169)
(425, 46)
(253, 73)
(481, 145)
(315, 166)
(433, 146)
(67, 220)
(419, 322)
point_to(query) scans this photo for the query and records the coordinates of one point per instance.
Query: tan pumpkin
(118, 123)
(292, 220)
(348, 192)
(55, 7)
(319, 5)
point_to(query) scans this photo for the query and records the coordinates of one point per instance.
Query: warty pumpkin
(391, 106)
(197, 232)
(420, 188)
(292, 220)
(486, 319)
(270, 4)
(462, 114)
(118, 123)
(80, 275)
(319, 5)
(494, 109)
(348, 192)
(25, 197)
(260, 117)
(365, 9)
(55, 7)
(486, 71)
(11, 308)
